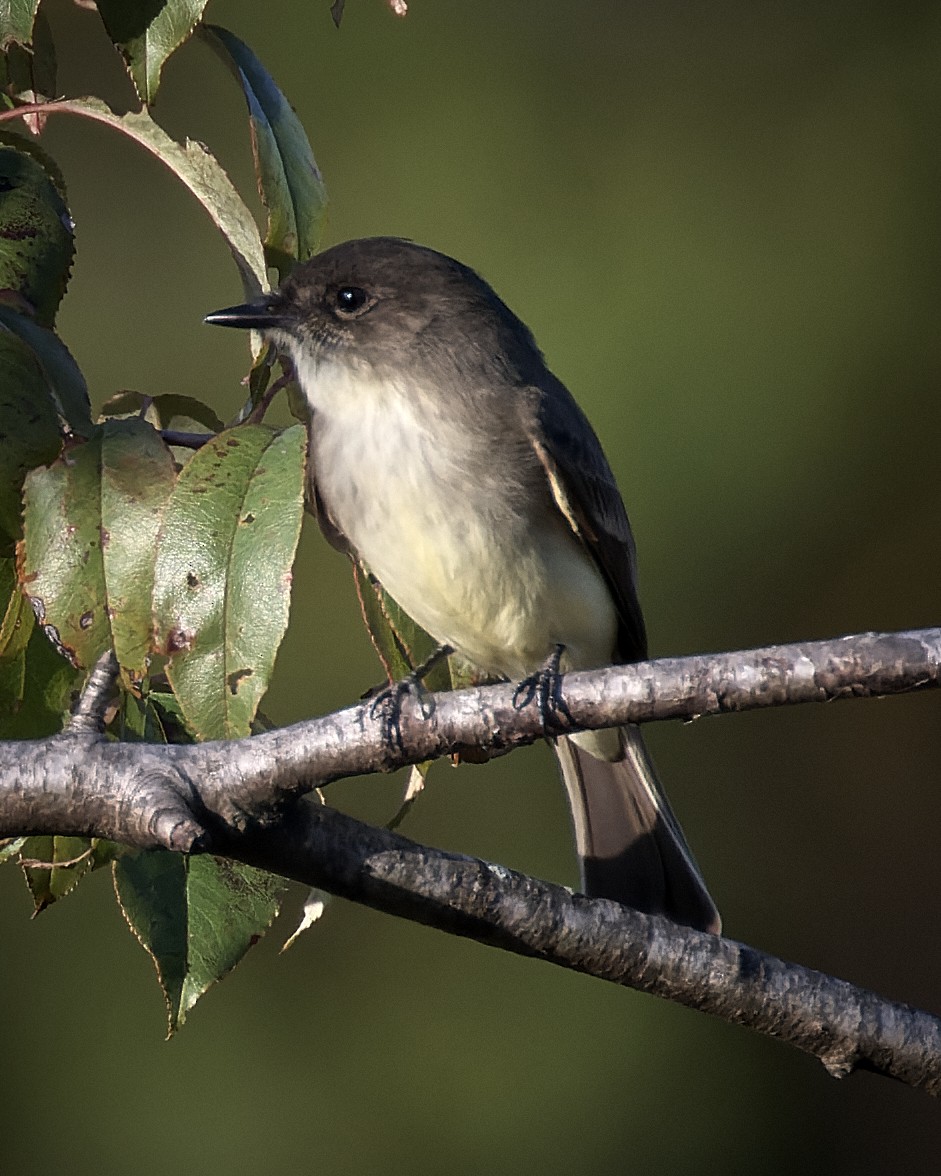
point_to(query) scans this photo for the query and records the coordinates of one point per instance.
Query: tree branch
(244, 800)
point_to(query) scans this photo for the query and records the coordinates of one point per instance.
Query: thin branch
(243, 800)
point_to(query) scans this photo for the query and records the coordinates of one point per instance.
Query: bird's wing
(584, 489)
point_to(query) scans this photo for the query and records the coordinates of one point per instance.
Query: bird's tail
(630, 845)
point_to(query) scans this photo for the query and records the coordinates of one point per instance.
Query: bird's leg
(543, 687)
(386, 701)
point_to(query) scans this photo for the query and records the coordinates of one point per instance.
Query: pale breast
(459, 528)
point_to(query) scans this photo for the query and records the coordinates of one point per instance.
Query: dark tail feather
(629, 843)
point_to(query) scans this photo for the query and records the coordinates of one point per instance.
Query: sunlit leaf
(195, 916)
(16, 21)
(137, 477)
(164, 411)
(223, 580)
(10, 847)
(196, 168)
(289, 181)
(87, 556)
(147, 33)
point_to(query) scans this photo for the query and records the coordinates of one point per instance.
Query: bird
(447, 458)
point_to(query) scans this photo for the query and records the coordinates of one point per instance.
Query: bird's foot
(544, 688)
(386, 701)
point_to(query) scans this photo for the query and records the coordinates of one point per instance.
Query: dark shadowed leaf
(196, 917)
(147, 32)
(29, 75)
(16, 617)
(64, 378)
(289, 181)
(54, 866)
(36, 245)
(223, 581)
(36, 689)
(30, 434)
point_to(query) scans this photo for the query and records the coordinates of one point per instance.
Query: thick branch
(233, 799)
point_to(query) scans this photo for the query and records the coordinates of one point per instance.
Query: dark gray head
(387, 302)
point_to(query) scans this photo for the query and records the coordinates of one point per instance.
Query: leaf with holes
(223, 580)
(87, 556)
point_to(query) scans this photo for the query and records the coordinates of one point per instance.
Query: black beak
(261, 315)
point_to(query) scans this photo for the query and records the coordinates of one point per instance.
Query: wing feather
(585, 491)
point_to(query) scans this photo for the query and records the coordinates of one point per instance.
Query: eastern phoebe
(449, 459)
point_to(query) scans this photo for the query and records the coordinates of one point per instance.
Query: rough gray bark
(245, 800)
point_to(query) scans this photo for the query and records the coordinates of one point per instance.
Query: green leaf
(147, 32)
(163, 411)
(16, 21)
(35, 690)
(289, 181)
(58, 865)
(139, 720)
(59, 558)
(137, 478)
(16, 618)
(64, 378)
(196, 917)
(10, 847)
(30, 433)
(223, 577)
(87, 557)
(400, 643)
(195, 167)
(36, 245)
(29, 75)
(12, 688)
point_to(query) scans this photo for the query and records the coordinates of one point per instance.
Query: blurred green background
(721, 223)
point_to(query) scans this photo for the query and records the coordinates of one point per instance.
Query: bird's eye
(351, 301)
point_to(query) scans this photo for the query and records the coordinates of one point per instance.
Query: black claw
(545, 688)
(386, 701)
